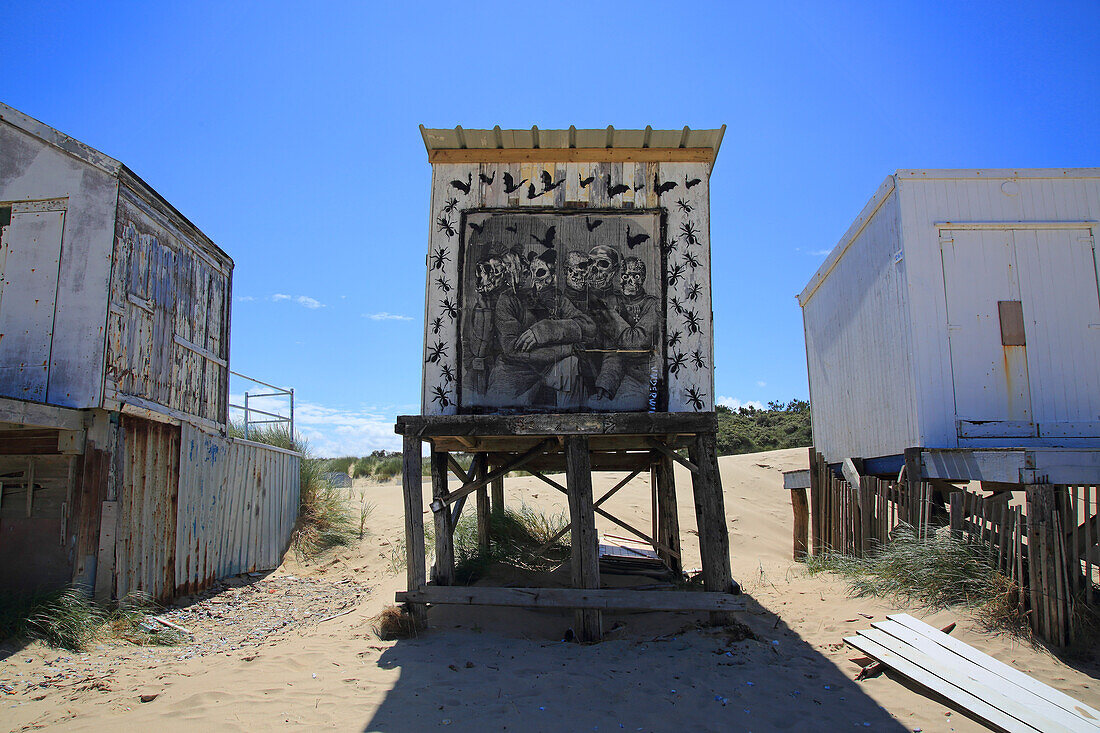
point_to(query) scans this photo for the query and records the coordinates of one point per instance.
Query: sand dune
(506, 669)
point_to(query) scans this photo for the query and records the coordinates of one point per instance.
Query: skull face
(490, 275)
(576, 270)
(633, 277)
(514, 270)
(603, 267)
(542, 277)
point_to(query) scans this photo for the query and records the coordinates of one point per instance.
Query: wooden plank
(1018, 702)
(668, 520)
(919, 674)
(482, 470)
(669, 453)
(611, 423)
(443, 571)
(710, 512)
(1006, 672)
(411, 484)
(796, 479)
(955, 513)
(605, 599)
(800, 505)
(571, 155)
(1088, 544)
(497, 491)
(583, 536)
(105, 562)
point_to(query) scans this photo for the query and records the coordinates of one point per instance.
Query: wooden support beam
(604, 599)
(955, 514)
(594, 424)
(443, 572)
(497, 490)
(669, 453)
(668, 519)
(801, 506)
(482, 470)
(513, 465)
(459, 472)
(411, 478)
(585, 541)
(710, 513)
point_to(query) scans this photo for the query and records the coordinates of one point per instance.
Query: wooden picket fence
(1050, 560)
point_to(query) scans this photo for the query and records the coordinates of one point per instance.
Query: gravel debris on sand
(235, 613)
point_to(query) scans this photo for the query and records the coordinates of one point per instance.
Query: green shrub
(749, 430)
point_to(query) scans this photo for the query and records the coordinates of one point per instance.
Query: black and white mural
(561, 311)
(568, 287)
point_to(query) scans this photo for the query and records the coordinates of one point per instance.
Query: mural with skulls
(566, 287)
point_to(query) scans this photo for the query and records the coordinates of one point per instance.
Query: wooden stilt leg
(443, 571)
(414, 521)
(483, 505)
(801, 506)
(497, 488)
(668, 521)
(585, 543)
(710, 512)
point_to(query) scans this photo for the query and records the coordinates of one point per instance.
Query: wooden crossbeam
(665, 450)
(611, 517)
(472, 486)
(605, 599)
(458, 471)
(601, 500)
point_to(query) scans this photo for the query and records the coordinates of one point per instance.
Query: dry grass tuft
(395, 623)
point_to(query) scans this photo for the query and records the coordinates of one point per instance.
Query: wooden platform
(576, 443)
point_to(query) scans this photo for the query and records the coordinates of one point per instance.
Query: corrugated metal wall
(238, 502)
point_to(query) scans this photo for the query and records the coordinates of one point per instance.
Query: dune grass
(937, 571)
(516, 538)
(69, 619)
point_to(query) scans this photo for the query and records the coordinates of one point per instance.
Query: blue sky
(289, 134)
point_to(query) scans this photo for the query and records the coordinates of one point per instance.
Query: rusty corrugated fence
(238, 502)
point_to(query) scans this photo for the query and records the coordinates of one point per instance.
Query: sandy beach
(321, 666)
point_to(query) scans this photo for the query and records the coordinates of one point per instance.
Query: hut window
(1011, 313)
(5, 215)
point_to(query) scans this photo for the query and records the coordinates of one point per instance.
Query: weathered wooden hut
(568, 326)
(959, 319)
(115, 470)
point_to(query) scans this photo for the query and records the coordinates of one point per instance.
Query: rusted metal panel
(145, 546)
(238, 502)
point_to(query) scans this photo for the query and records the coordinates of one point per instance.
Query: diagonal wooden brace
(472, 486)
(665, 450)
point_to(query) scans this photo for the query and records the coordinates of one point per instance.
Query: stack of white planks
(996, 693)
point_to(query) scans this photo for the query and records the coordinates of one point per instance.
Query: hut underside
(575, 444)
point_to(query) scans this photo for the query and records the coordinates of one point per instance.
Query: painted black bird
(661, 188)
(512, 229)
(592, 224)
(464, 187)
(548, 182)
(585, 181)
(639, 187)
(479, 228)
(510, 186)
(548, 239)
(692, 182)
(531, 191)
(613, 191)
(487, 180)
(635, 240)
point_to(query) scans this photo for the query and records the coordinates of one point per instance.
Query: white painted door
(1058, 286)
(991, 380)
(31, 255)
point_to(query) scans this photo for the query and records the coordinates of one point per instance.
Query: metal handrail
(279, 392)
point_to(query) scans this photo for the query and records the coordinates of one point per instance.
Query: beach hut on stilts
(568, 329)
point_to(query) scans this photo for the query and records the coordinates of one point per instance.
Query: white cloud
(303, 300)
(734, 404)
(384, 316)
(819, 252)
(333, 431)
(761, 384)
(245, 298)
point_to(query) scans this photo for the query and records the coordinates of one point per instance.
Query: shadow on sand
(482, 668)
